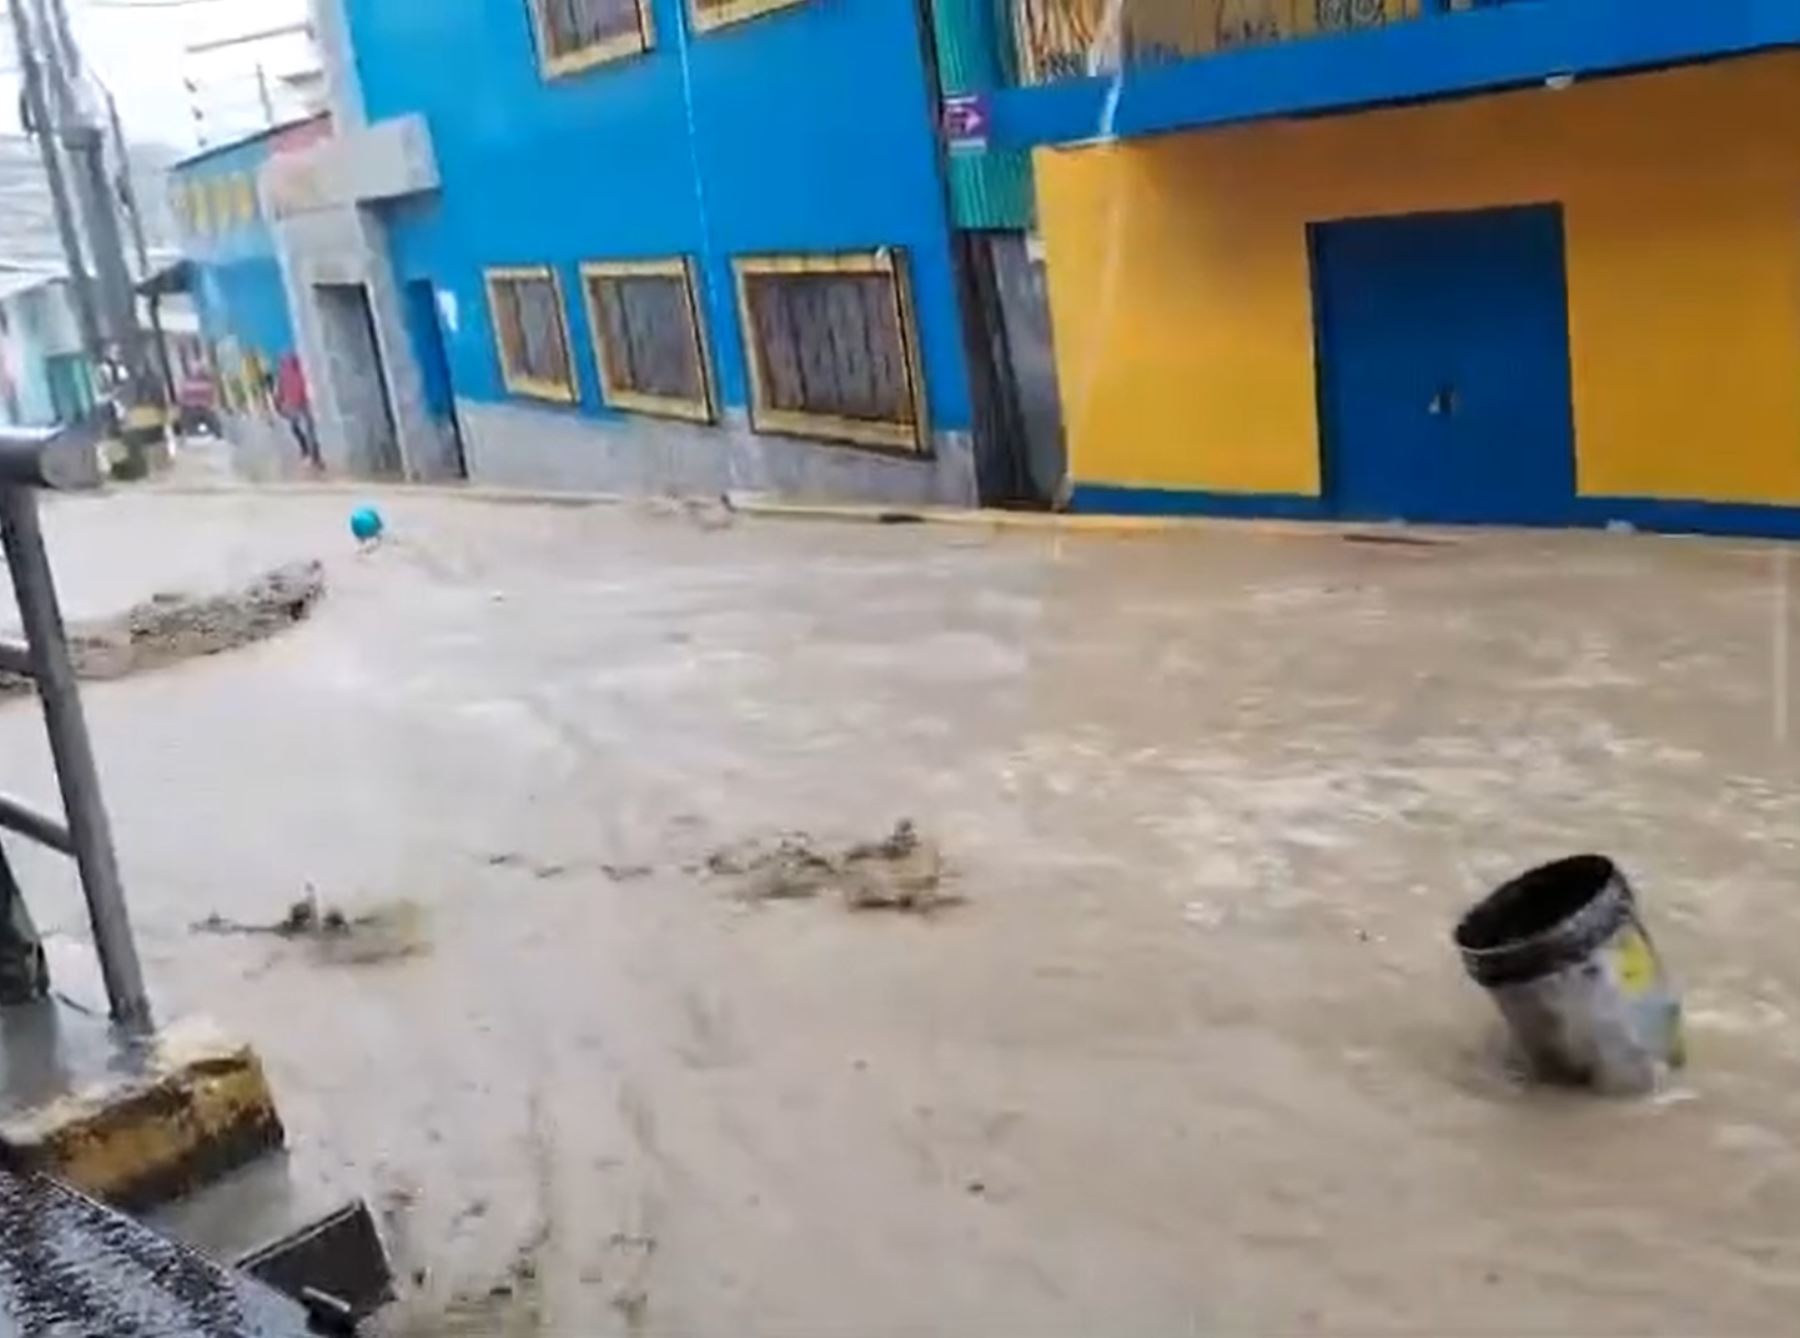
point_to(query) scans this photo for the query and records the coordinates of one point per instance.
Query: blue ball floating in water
(366, 524)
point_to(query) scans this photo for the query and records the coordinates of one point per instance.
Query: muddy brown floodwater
(1192, 1052)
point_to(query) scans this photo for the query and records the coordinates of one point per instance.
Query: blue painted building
(237, 283)
(46, 376)
(679, 244)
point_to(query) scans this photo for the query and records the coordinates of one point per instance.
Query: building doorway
(1020, 458)
(425, 327)
(358, 379)
(1443, 350)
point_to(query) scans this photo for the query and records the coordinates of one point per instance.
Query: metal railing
(1064, 39)
(67, 458)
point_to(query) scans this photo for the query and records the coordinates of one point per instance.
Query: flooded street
(1192, 1052)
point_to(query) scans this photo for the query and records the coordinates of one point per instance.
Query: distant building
(240, 297)
(768, 272)
(684, 245)
(1494, 261)
(45, 376)
(307, 89)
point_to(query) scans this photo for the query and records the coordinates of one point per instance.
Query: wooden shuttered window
(649, 340)
(531, 333)
(832, 349)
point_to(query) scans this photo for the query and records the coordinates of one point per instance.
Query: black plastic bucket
(1563, 953)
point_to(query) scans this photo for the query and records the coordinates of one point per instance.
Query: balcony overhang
(1446, 55)
(385, 161)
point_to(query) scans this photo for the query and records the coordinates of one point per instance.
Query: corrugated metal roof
(269, 132)
(18, 279)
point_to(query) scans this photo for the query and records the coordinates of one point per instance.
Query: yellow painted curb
(1081, 522)
(945, 515)
(198, 1106)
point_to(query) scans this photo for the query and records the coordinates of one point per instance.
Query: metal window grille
(647, 337)
(832, 350)
(530, 333)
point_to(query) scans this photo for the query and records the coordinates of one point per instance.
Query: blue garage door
(1444, 367)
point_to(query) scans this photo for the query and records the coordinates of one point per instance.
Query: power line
(303, 26)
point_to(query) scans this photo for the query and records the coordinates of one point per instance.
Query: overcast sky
(139, 49)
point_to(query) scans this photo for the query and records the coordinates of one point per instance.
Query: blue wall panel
(238, 286)
(1438, 56)
(809, 129)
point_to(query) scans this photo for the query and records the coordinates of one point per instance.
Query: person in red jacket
(291, 403)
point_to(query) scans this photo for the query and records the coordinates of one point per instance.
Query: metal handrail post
(90, 832)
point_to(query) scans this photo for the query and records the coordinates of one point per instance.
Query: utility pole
(128, 197)
(63, 40)
(86, 148)
(42, 127)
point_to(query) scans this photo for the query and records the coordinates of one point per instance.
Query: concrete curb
(1055, 522)
(767, 507)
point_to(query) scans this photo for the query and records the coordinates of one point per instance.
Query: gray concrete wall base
(263, 448)
(509, 445)
(348, 245)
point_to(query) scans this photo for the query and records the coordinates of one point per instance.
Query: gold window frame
(620, 396)
(736, 11)
(517, 381)
(603, 52)
(910, 438)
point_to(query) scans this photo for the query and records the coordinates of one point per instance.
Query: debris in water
(1395, 540)
(510, 1304)
(546, 870)
(1564, 953)
(785, 868)
(383, 933)
(903, 871)
(626, 873)
(708, 513)
(300, 918)
(633, 1305)
(169, 627)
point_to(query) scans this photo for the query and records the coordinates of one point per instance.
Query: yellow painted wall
(1181, 293)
